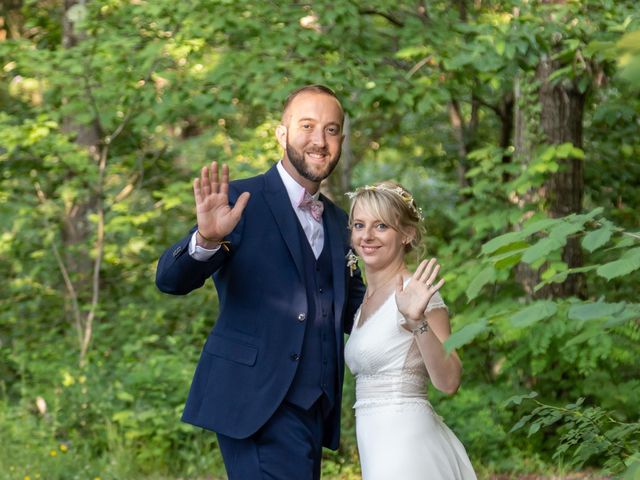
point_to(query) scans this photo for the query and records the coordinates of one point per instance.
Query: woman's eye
(381, 226)
(357, 226)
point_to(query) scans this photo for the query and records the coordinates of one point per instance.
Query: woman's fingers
(427, 272)
(420, 270)
(434, 274)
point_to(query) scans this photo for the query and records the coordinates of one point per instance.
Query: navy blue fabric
(287, 447)
(316, 374)
(252, 354)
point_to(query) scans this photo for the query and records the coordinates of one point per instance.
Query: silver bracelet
(423, 328)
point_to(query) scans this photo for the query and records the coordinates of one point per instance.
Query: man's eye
(306, 126)
(333, 131)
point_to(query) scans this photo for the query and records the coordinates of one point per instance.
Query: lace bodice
(385, 359)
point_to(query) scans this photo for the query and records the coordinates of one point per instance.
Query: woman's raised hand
(215, 217)
(413, 299)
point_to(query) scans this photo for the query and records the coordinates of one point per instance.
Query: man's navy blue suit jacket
(246, 367)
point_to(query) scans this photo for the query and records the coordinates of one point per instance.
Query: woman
(396, 346)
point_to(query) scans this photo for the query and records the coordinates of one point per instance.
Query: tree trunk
(82, 270)
(561, 121)
(11, 19)
(561, 109)
(506, 114)
(524, 137)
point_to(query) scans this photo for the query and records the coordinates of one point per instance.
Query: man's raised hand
(216, 219)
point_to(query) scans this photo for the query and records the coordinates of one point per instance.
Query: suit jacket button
(302, 317)
(177, 251)
(294, 357)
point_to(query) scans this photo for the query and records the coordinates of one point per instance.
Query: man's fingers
(224, 184)
(197, 191)
(240, 205)
(214, 177)
(205, 181)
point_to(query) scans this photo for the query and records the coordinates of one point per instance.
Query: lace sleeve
(436, 302)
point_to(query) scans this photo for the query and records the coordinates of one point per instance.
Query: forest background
(515, 124)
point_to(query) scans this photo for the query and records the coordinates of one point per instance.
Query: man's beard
(296, 158)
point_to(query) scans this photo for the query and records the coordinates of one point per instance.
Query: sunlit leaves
(465, 335)
(533, 313)
(597, 238)
(628, 263)
(485, 276)
(592, 311)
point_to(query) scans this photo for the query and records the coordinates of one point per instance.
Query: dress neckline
(359, 323)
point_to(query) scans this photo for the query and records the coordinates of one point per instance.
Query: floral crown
(406, 197)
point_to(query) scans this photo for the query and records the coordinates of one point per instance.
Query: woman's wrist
(422, 327)
(417, 326)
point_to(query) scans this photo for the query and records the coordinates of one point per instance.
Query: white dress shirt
(311, 227)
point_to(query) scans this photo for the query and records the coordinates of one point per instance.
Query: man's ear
(281, 135)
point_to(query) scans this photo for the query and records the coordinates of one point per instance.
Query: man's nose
(318, 138)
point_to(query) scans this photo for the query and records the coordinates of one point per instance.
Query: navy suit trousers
(287, 447)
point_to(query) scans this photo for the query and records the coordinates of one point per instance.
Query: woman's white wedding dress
(400, 437)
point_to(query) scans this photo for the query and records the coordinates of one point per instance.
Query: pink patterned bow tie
(315, 207)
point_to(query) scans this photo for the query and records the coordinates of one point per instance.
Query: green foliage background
(166, 87)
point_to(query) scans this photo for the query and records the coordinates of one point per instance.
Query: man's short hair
(310, 89)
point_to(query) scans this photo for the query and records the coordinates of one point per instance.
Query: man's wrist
(205, 242)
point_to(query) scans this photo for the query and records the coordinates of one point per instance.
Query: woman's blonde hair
(394, 205)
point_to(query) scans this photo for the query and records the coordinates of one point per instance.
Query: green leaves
(485, 276)
(588, 432)
(628, 263)
(465, 335)
(597, 238)
(533, 313)
(592, 311)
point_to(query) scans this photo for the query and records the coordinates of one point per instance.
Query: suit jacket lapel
(277, 199)
(333, 226)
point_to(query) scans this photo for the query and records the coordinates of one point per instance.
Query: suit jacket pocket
(232, 350)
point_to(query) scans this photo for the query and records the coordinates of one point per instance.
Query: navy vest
(316, 375)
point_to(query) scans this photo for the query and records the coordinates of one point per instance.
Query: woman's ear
(412, 234)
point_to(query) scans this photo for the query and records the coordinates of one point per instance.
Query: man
(269, 380)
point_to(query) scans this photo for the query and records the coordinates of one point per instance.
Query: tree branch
(63, 270)
(95, 297)
(388, 16)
